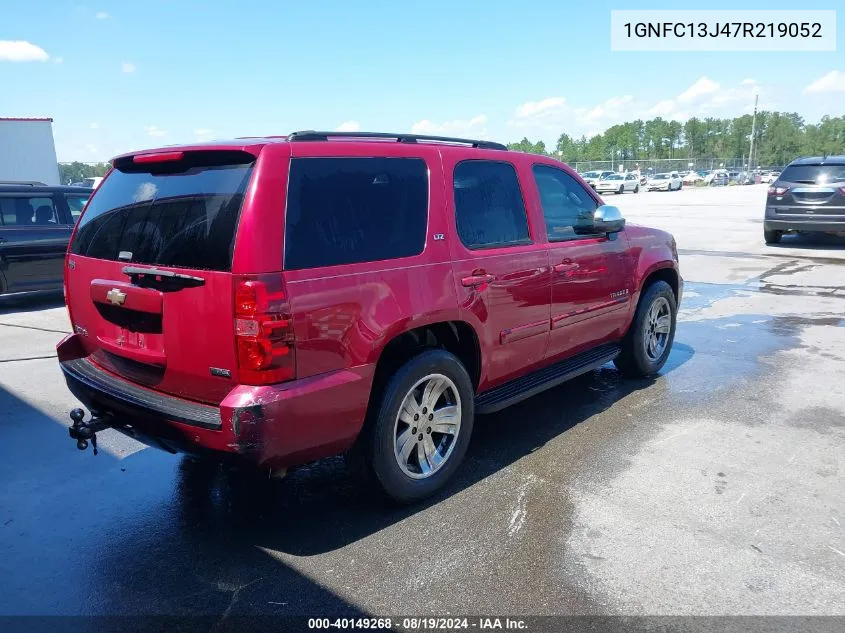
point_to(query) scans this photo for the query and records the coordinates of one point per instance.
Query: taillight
(263, 331)
(778, 191)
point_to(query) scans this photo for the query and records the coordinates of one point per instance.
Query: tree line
(779, 137)
(75, 171)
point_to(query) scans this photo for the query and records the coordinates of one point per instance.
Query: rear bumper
(806, 224)
(808, 218)
(276, 425)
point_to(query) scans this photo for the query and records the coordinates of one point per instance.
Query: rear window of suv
(352, 210)
(813, 174)
(182, 214)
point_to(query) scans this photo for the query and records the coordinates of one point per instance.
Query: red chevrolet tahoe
(279, 300)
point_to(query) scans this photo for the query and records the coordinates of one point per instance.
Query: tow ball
(84, 432)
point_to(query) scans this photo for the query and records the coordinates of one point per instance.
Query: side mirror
(608, 219)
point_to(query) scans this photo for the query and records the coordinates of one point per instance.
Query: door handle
(477, 280)
(566, 266)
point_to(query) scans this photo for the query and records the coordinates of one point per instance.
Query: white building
(27, 151)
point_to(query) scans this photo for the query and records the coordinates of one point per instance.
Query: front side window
(489, 208)
(352, 210)
(567, 207)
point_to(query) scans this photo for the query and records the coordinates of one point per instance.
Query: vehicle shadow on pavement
(31, 302)
(153, 533)
(321, 507)
(819, 242)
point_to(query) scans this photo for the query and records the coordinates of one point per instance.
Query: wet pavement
(716, 488)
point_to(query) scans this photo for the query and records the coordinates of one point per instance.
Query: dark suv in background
(808, 197)
(35, 225)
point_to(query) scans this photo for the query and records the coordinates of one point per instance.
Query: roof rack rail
(311, 135)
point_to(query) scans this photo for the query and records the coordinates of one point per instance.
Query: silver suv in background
(808, 197)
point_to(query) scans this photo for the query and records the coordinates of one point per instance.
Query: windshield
(660, 177)
(186, 219)
(614, 177)
(591, 174)
(814, 174)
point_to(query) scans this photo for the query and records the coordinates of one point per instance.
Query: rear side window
(352, 210)
(814, 174)
(489, 209)
(182, 214)
(28, 211)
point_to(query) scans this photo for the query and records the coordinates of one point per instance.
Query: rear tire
(772, 237)
(378, 454)
(648, 342)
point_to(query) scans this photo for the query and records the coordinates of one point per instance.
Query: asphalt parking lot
(715, 489)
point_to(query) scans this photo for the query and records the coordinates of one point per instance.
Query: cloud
(700, 88)
(662, 108)
(59, 60)
(540, 109)
(475, 127)
(102, 15)
(128, 67)
(92, 149)
(21, 51)
(203, 134)
(834, 81)
(612, 110)
(145, 191)
(348, 126)
(748, 82)
(155, 131)
(94, 126)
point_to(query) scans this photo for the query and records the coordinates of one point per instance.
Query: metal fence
(680, 165)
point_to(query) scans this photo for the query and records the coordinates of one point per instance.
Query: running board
(542, 379)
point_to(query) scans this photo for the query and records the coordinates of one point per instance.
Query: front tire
(648, 342)
(419, 428)
(772, 237)
(637, 189)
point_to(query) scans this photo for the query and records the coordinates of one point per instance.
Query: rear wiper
(149, 277)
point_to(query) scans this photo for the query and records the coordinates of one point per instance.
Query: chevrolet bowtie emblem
(116, 297)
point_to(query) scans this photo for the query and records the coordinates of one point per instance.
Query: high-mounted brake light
(263, 331)
(159, 157)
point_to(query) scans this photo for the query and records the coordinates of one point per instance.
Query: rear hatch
(817, 190)
(148, 274)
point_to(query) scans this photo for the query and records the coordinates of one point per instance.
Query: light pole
(753, 130)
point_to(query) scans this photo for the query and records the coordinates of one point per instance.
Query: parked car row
(618, 182)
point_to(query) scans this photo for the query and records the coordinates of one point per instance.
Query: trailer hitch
(83, 432)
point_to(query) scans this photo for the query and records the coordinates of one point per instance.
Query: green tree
(568, 150)
(75, 171)
(529, 147)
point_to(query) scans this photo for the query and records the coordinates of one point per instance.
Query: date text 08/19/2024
(419, 624)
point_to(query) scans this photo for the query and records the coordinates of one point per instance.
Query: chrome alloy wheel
(657, 327)
(427, 426)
